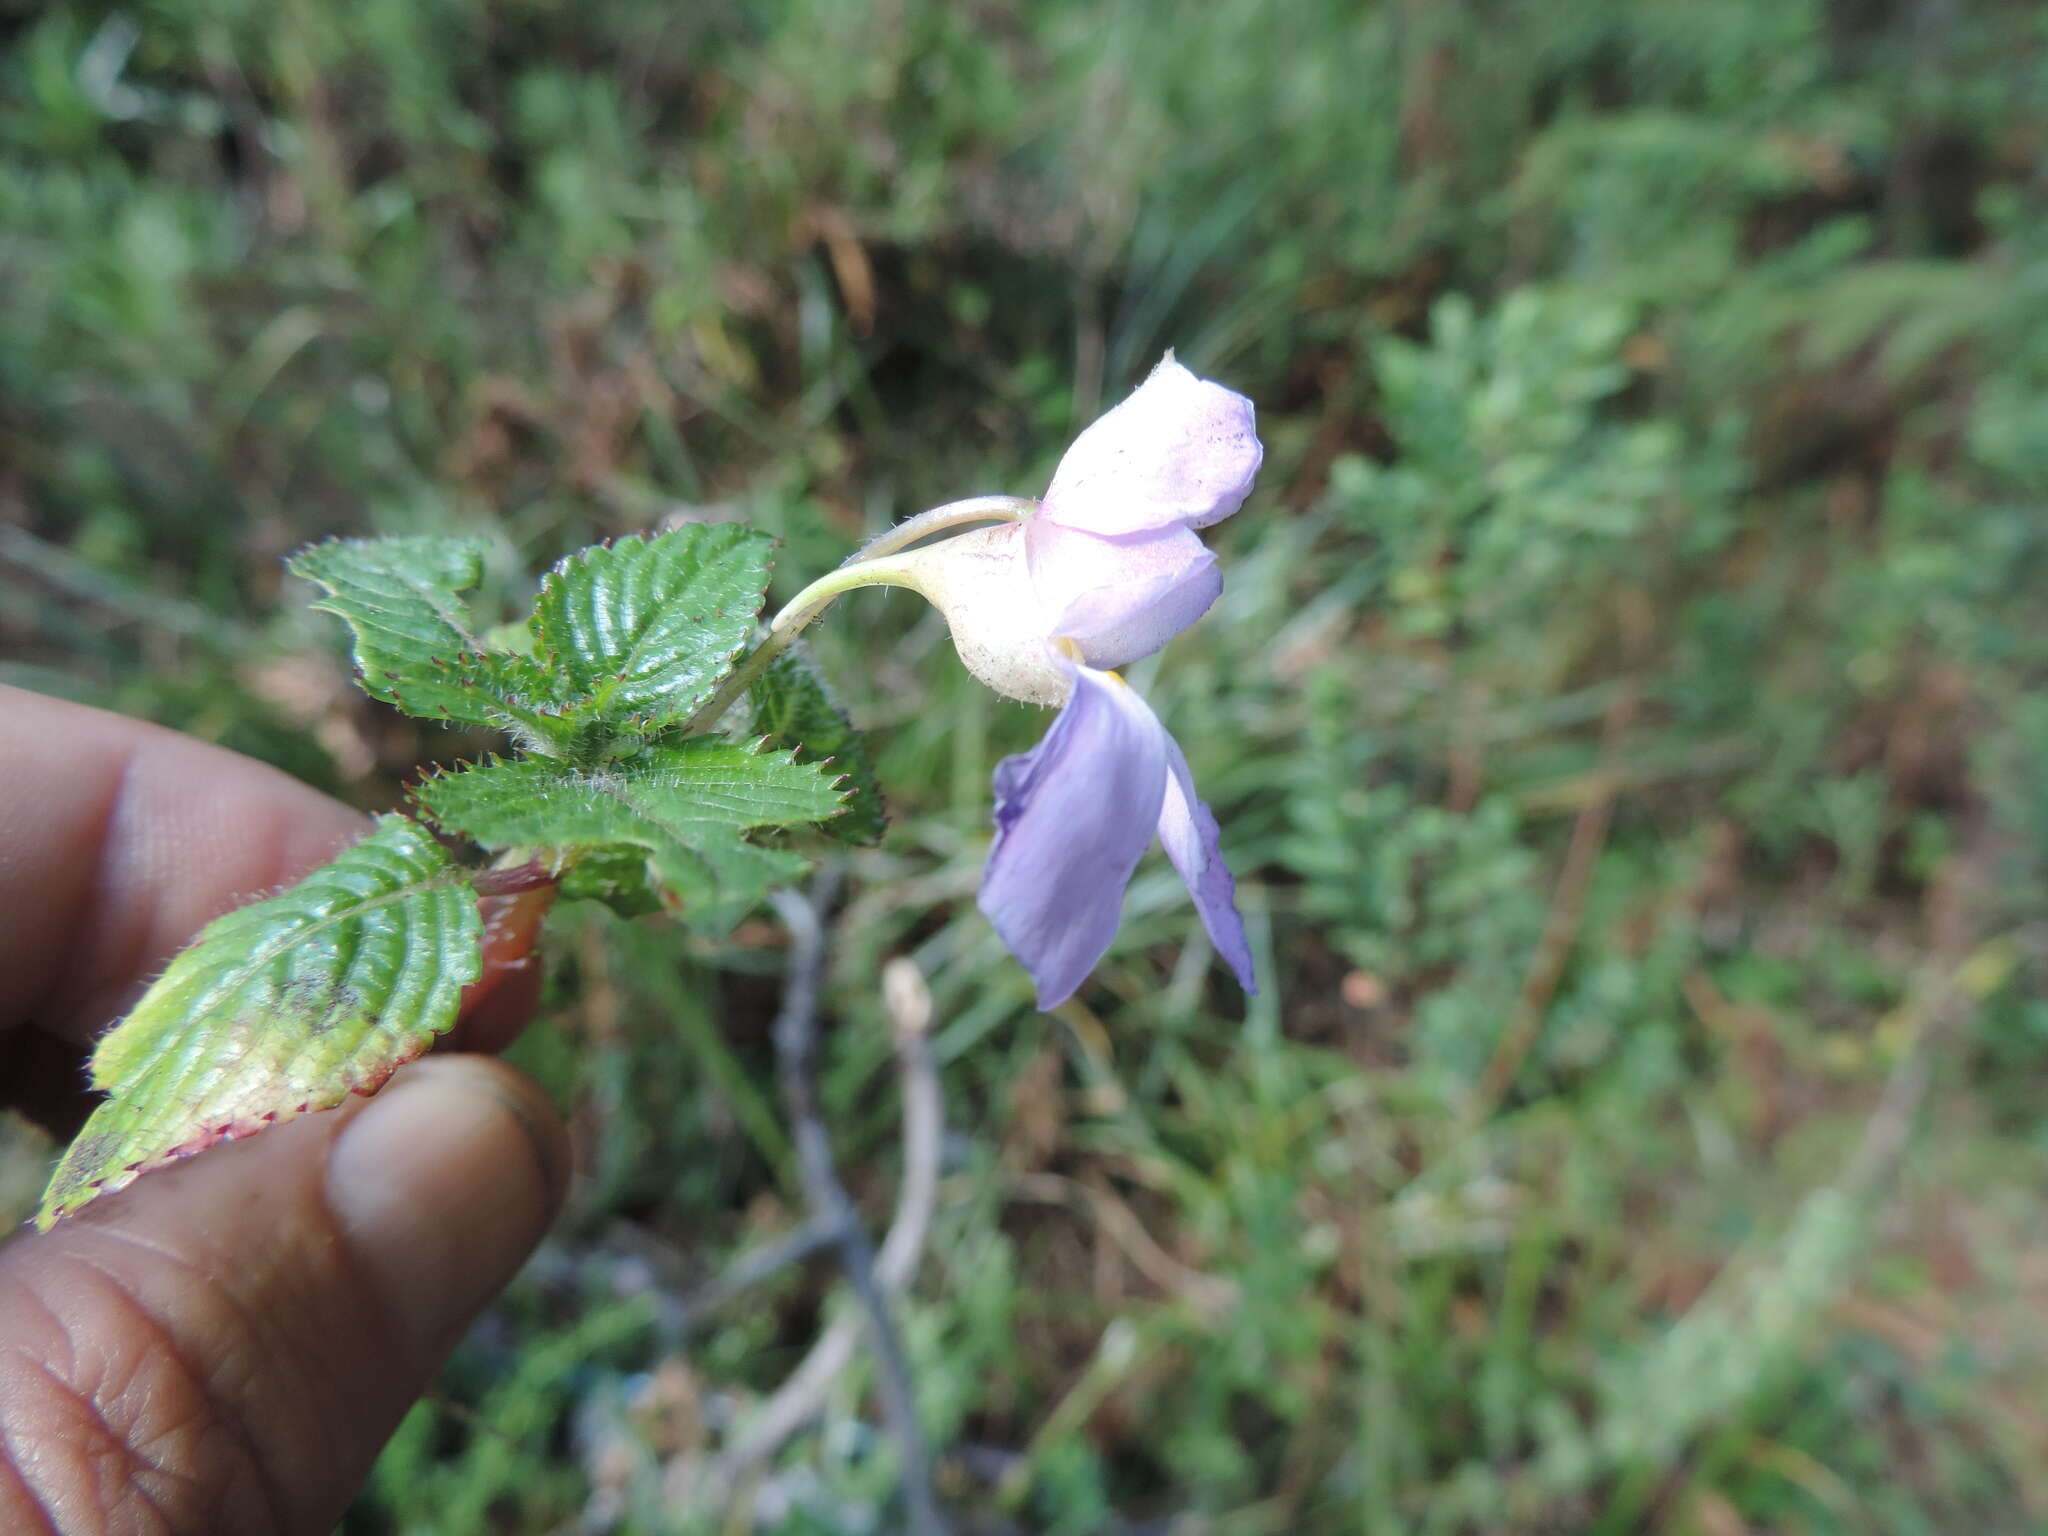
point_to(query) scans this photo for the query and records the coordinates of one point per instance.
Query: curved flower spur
(1101, 572)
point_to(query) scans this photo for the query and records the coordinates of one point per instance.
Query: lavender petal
(1177, 452)
(1188, 829)
(1073, 815)
(1120, 598)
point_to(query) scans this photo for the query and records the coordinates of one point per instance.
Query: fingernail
(442, 1186)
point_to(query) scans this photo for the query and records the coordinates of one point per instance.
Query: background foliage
(1626, 712)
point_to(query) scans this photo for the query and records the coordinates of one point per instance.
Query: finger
(118, 841)
(225, 1346)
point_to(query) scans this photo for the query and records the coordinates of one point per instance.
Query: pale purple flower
(1073, 816)
(1105, 572)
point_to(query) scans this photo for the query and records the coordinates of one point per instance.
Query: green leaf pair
(626, 638)
(293, 1003)
(679, 811)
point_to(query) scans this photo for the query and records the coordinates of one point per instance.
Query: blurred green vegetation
(1626, 713)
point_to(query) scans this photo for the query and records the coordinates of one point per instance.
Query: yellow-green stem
(789, 623)
(868, 566)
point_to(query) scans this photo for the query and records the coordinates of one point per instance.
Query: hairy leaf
(794, 709)
(682, 810)
(281, 1007)
(642, 630)
(618, 877)
(414, 648)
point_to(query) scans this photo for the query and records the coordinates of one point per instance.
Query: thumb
(224, 1346)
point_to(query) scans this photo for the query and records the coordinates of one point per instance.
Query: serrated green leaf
(793, 708)
(281, 1007)
(641, 631)
(682, 809)
(413, 644)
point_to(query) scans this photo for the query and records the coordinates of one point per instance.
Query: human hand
(224, 1346)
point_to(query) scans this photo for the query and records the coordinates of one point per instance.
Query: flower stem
(868, 566)
(790, 622)
(954, 514)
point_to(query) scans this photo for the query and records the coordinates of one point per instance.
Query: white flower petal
(1178, 451)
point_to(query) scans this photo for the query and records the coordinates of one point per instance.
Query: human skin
(223, 1346)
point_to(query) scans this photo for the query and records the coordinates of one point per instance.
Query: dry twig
(873, 1278)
